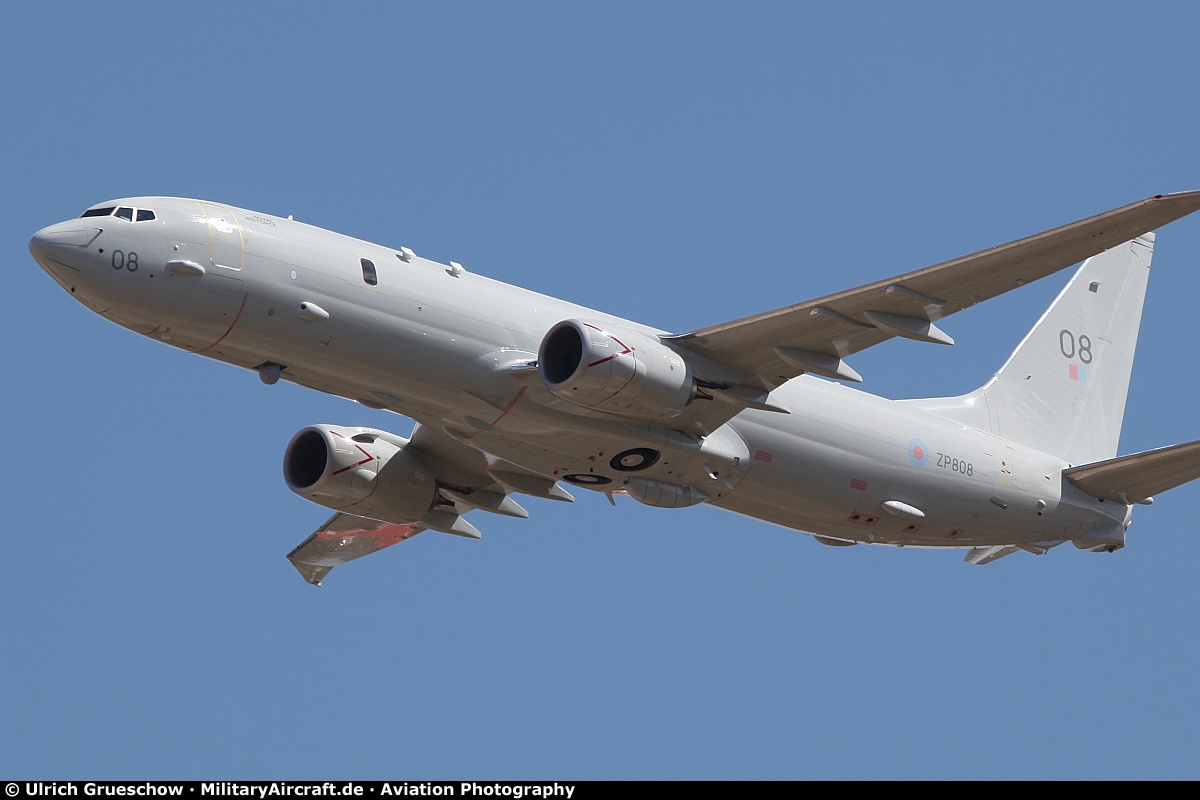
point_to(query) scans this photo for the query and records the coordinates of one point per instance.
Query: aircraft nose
(39, 246)
(62, 245)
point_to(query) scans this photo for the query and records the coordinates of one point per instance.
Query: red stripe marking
(859, 484)
(359, 464)
(242, 307)
(504, 413)
(605, 360)
(763, 455)
(508, 408)
(626, 351)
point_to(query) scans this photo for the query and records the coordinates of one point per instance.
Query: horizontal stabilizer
(1138, 477)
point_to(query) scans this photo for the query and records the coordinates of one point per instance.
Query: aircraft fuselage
(453, 349)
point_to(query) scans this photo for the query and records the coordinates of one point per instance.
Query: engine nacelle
(616, 371)
(360, 471)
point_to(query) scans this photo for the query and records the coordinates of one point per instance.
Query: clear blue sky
(679, 164)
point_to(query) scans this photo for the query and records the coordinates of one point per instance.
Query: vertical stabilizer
(1063, 390)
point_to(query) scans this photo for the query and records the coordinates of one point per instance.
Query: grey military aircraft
(516, 393)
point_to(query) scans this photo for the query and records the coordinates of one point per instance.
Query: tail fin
(1063, 390)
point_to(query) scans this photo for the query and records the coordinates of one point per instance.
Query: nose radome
(62, 243)
(37, 245)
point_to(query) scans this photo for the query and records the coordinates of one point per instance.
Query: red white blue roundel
(918, 453)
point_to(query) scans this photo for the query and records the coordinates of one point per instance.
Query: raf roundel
(918, 453)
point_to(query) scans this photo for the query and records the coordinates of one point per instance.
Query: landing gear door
(224, 236)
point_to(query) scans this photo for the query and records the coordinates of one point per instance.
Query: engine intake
(360, 471)
(615, 371)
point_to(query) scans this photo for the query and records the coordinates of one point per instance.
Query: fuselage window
(144, 215)
(125, 213)
(369, 274)
(98, 212)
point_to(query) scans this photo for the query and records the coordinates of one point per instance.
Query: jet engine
(615, 371)
(359, 471)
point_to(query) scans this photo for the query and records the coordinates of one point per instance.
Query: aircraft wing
(467, 479)
(775, 346)
(345, 537)
(1138, 477)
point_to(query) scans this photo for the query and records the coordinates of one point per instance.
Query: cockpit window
(124, 212)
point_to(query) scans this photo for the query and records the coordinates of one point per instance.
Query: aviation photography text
(264, 789)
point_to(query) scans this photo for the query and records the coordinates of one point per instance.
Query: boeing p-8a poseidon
(514, 392)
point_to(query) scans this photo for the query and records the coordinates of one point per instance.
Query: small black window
(144, 215)
(98, 212)
(369, 274)
(125, 213)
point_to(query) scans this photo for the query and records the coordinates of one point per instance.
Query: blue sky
(679, 164)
